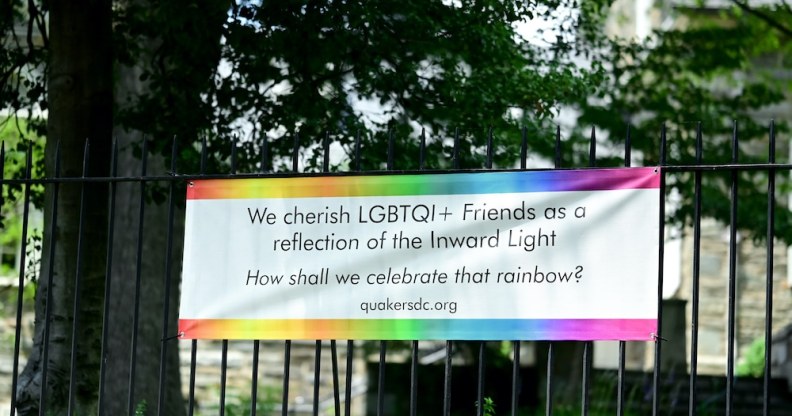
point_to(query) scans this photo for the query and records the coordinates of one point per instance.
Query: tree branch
(786, 6)
(766, 18)
(42, 26)
(31, 20)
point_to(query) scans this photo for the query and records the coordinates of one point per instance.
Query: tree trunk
(152, 272)
(80, 108)
(202, 28)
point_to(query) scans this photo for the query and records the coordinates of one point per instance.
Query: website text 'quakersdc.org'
(416, 305)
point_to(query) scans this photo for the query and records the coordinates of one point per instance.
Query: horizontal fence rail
(336, 383)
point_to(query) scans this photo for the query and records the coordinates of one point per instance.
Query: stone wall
(270, 376)
(750, 294)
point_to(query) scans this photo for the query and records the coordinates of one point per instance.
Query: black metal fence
(616, 400)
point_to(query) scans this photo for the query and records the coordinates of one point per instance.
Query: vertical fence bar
(515, 377)
(422, 150)
(287, 343)
(348, 378)
(381, 380)
(168, 273)
(628, 147)
(523, 148)
(203, 155)
(732, 277)
(286, 366)
(455, 154)
(557, 150)
(480, 386)
(138, 278)
(265, 157)
(224, 355)
(516, 344)
(193, 359)
(77, 289)
(334, 363)
(326, 153)
(295, 152)
(383, 344)
(333, 349)
(622, 344)
(21, 281)
(391, 146)
(223, 374)
(414, 379)
(108, 270)
(447, 379)
(350, 355)
(620, 379)
(254, 379)
(771, 182)
(48, 304)
(234, 154)
(482, 344)
(317, 368)
(588, 346)
(357, 151)
(194, 343)
(694, 307)
(257, 343)
(489, 150)
(660, 256)
(549, 390)
(415, 344)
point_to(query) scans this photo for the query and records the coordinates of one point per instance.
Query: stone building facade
(750, 294)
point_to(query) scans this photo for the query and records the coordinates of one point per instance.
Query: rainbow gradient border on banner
(427, 184)
(421, 329)
(423, 184)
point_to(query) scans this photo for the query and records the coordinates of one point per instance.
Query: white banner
(501, 255)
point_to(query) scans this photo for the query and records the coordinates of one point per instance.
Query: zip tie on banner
(179, 335)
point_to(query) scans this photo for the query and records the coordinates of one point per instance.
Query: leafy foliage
(23, 53)
(489, 407)
(282, 68)
(752, 363)
(712, 75)
(335, 70)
